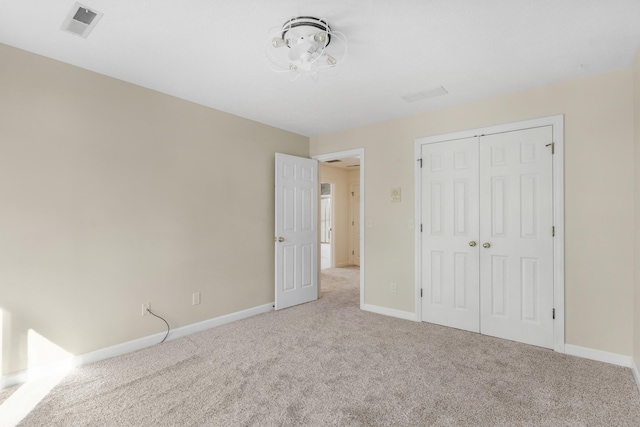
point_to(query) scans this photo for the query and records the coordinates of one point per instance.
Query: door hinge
(553, 147)
(352, 194)
(553, 314)
(353, 252)
(421, 228)
(420, 160)
(420, 292)
(553, 231)
(353, 223)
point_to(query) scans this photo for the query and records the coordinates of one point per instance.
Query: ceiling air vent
(425, 94)
(81, 20)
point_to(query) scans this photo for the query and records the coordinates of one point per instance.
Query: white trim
(599, 355)
(417, 224)
(557, 123)
(356, 152)
(636, 373)
(606, 357)
(406, 315)
(352, 236)
(129, 346)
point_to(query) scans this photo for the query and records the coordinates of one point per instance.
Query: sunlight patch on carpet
(48, 365)
(26, 397)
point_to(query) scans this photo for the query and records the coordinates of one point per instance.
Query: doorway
(345, 169)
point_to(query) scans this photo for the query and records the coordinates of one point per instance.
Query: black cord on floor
(168, 327)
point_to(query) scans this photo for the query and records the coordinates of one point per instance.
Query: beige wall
(636, 103)
(598, 197)
(114, 195)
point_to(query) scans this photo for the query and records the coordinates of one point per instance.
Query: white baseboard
(599, 355)
(406, 315)
(128, 347)
(636, 373)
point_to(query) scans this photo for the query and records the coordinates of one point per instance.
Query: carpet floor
(329, 363)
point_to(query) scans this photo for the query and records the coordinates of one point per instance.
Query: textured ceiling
(212, 52)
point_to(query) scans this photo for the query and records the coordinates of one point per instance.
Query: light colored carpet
(328, 363)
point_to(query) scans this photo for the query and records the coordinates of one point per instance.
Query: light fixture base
(301, 46)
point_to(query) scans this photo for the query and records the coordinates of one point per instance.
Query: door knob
(486, 245)
(472, 243)
(280, 239)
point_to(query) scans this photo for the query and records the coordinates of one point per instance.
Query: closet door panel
(516, 220)
(450, 223)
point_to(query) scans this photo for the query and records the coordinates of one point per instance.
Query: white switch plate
(195, 298)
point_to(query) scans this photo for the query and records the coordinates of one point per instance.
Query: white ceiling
(212, 51)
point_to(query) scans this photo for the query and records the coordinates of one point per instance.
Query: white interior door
(355, 223)
(516, 222)
(296, 232)
(450, 233)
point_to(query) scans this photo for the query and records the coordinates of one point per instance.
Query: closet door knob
(472, 243)
(486, 245)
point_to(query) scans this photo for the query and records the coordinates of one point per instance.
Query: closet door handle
(472, 243)
(486, 245)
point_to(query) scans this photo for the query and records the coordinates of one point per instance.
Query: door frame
(557, 123)
(357, 152)
(352, 245)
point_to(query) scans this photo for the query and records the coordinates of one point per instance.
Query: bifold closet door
(516, 237)
(450, 269)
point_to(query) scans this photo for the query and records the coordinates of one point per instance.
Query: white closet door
(516, 242)
(450, 232)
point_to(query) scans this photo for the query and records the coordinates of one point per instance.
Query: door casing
(354, 232)
(557, 123)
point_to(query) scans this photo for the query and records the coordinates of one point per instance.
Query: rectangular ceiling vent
(81, 20)
(425, 94)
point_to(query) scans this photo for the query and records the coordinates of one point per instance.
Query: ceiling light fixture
(301, 46)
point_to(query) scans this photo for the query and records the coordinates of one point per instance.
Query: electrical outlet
(145, 307)
(195, 298)
(394, 288)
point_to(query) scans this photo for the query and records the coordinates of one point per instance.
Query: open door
(296, 233)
